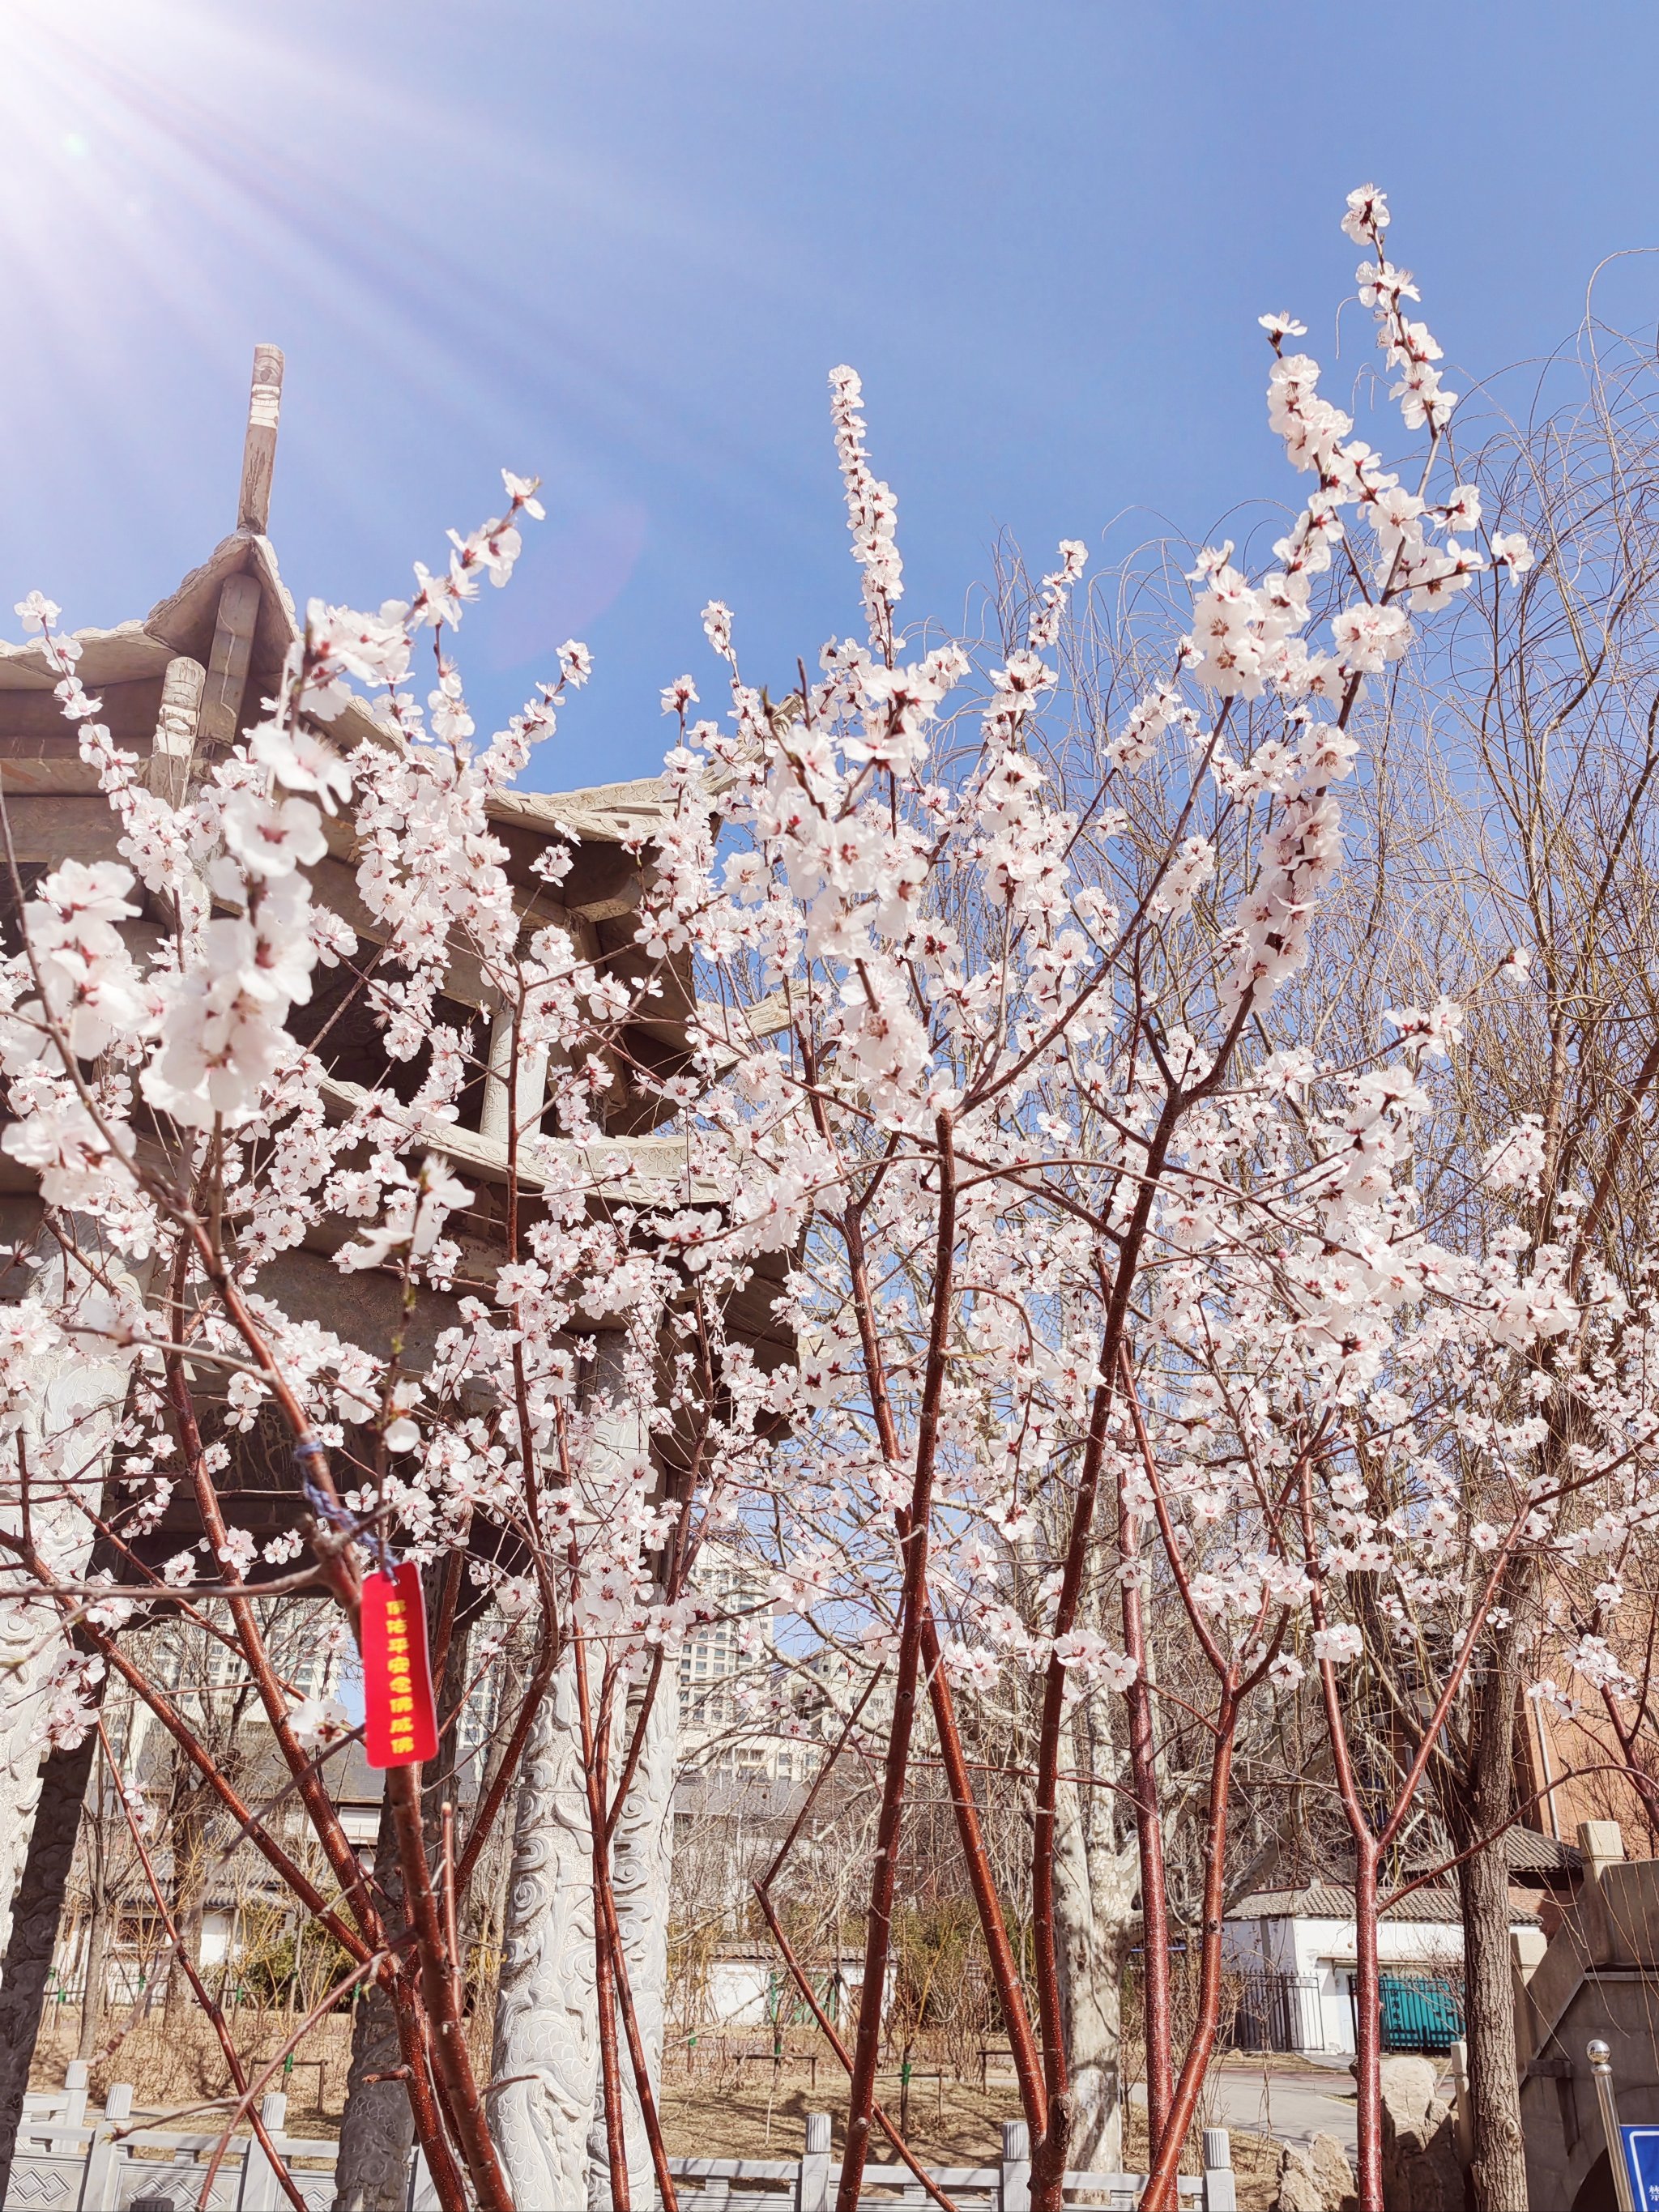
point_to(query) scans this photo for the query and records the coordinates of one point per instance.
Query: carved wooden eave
(178, 687)
(648, 1173)
(126, 668)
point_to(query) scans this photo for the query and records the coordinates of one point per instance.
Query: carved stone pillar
(546, 2022)
(642, 1863)
(65, 1439)
(503, 1099)
(547, 2052)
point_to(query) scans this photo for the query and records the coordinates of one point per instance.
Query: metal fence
(1273, 2011)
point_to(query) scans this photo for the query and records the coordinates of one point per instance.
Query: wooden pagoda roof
(217, 642)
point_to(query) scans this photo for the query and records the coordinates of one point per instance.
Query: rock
(1420, 2172)
(1315, 2178)
(1409, 2088)
(1338, 2192)
(1298, 2185)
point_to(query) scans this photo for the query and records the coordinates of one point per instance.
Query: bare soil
(181, 2073)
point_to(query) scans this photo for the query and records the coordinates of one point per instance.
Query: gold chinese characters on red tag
(400, 1721)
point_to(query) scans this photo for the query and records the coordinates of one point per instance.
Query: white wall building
(749, 1986)
(1307, 1935)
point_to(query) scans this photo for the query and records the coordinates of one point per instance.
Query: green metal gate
(1421, 2012)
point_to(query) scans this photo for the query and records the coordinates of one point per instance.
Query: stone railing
(807, 2183)
(105, 2164)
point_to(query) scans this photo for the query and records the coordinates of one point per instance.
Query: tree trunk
(34, 1931)
(1094, 1909)
(1368, 2031)
(1498, 2169)
(377, 2127)
(95, 1967)
(189, 1850)
(1161, 2193)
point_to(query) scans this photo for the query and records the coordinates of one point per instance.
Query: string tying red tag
(399, 1713)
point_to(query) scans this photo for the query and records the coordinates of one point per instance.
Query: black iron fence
(1421, 2009)
(1273, 2011)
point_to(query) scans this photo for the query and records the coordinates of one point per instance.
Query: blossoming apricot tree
(1081, 1261)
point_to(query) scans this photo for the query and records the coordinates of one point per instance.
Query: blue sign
(1642, 2164)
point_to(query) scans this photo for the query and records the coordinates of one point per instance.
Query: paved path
(1293, 2106)
(1294, 2103)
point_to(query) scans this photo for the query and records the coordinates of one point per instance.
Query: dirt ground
(723, 2102)
(173, 2071)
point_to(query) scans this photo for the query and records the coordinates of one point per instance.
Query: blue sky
(621, 242)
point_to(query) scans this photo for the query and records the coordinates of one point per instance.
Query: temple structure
(177, 688)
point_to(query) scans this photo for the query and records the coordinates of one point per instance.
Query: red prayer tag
(400, 1719)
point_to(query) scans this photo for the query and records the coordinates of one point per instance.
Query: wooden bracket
(233, 648)
(176, 727)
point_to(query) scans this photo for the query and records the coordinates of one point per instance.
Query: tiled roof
(1330, 1900)
(1531, 1853)
(1327, 1900)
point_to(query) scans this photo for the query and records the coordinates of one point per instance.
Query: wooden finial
(259, 454)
